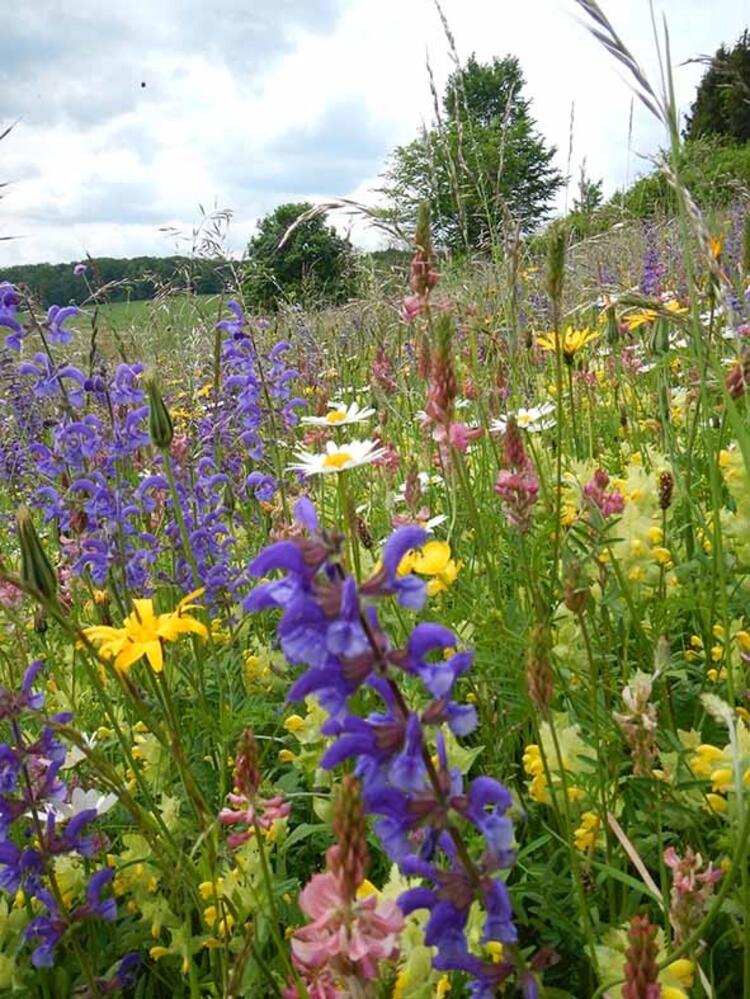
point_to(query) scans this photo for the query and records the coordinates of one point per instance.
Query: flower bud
(666, 489)
(737, 378)
(556, 263)
(352, 857)
(575, 587)
(641, 970)
(36, 569)
(160, 426)
(539, 679)
(247, 775)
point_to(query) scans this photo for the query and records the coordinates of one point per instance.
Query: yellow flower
(433, 560)
(443, 987)
(585, 835)
(495, 950)
(570, 343)
(294, 723)
(534, 767)
(638, 318)
(402, 980)
(367, 889)
(715, 803)
(225, 920)
(705, 757)
(143, 633)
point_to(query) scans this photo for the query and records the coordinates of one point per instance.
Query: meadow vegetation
(391, 649)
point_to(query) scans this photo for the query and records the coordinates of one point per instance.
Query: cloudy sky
(131, 115)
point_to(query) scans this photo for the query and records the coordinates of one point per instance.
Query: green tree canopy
(722, 103)
(480, 162)
(314, 265)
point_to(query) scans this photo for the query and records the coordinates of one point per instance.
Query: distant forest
(139, 278)
(126, 279)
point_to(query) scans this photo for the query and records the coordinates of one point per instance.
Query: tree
(589, 196)
(482, 161)
(722, 103)
(314, 265)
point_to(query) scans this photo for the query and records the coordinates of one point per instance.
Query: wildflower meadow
(398, 649)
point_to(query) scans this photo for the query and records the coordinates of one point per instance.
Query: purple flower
(57, 316)
(79, 269)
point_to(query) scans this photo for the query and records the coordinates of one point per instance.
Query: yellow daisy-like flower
(569, 343)
(143, 633)
(642, 316)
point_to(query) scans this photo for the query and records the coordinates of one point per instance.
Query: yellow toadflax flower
(570, 343)
(143, 633)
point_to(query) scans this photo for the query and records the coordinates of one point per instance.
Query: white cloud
(248, 105)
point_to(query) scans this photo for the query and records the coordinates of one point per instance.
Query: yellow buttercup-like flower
(571, 341)
(433, 560)
(143, 633)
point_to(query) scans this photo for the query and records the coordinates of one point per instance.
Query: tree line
(124, 279)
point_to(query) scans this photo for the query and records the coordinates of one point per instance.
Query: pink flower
(411, 307)
(517, 484)
(348, 935)
(11, 597)
(458, 435)
(518, 491)
(606, 503)
(179, 447)
(390, 459)
(264, 811)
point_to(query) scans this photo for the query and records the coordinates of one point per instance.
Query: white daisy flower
(80, 801)
(340, 415)
(337, 458)
(534, 420)
(75, 755)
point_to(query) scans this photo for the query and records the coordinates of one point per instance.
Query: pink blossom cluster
(346, 937)
(691, 889)
(11, 597)
(517, 484)
(595, 491)
(262, 811)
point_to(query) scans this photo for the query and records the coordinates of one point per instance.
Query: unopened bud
(350, 831)
(247, 774)
(539, 678)
(363, 532)
(666, 489)
(556, 263)
(575, 587)
(641, 970)
(36, 569)
(412, 489)
(737, 378)
(160, 426)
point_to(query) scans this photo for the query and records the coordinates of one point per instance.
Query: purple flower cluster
(86, 447)
(426, 818)
(30, 790)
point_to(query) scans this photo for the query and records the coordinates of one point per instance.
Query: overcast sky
(250, 103)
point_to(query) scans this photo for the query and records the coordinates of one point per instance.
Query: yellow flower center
(337, 460)
(336, 416)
